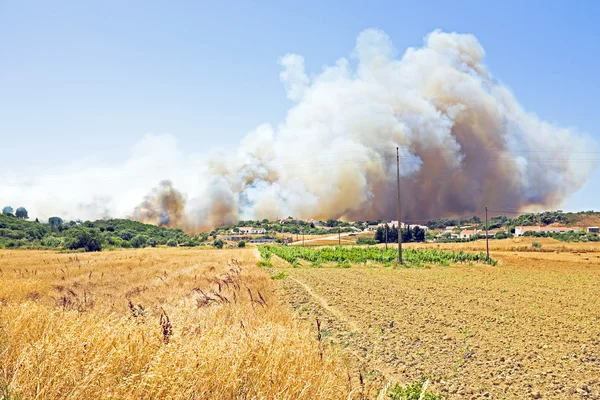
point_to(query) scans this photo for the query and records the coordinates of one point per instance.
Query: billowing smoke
(465, 142)
(164, 206)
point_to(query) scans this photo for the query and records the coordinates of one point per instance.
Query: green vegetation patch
(345, 255)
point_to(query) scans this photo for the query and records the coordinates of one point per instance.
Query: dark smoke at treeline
(465, 142)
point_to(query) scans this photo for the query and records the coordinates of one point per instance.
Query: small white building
(593, 229)
(467, 234)
(558, 229)
(249, 230)
(520, 230)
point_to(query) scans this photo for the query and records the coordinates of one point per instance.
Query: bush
(218, 244)
(367, 241)
(500, 235)
(171, 243)
(89, 239)
(536, 245)
(139, 241)
(241, 243)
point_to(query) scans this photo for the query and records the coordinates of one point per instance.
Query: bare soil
(527, 328)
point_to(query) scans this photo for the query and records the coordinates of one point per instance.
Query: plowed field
(526, 328)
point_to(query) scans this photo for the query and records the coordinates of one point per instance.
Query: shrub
(500, 235)
(139, 241)
(171, 243)
(367, 241)
(280, 275)
(415, 391)
(241, 243)
(218, 244)
(89, 239)
(536, 245)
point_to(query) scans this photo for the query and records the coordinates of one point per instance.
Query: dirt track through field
(323, 303)
(528, 328)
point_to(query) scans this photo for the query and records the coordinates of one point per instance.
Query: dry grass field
(526, 328)
(155, 323)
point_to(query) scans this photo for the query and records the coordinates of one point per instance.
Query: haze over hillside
(465, 142)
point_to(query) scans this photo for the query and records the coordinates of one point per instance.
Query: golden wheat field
(154, 323)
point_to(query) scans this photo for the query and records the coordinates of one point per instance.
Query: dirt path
(323, 303)
(332, 237)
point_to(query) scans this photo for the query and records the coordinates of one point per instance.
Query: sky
(86, 81)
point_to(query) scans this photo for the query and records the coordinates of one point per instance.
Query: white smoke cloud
(465, 143)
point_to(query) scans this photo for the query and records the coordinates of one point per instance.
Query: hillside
(90, 235)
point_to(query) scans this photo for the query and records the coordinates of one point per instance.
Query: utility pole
(302, 237)
(487, 239)
(399, 217)
(339, 236)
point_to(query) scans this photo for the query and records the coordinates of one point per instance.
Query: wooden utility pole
(303, 237)
(339, 236)
(399, 214)
(487, 238)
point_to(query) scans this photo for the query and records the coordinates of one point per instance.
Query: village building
(237, 238)
(261, 240)
(593, 229)
(467, 233)
(520, 230)
(249, 230)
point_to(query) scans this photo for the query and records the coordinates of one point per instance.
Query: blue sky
(83, 79)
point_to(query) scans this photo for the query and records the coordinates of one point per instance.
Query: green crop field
(358, 255)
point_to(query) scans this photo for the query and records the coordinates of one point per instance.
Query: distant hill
(90, 235)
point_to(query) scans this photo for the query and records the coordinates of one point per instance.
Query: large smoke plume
(465, 142)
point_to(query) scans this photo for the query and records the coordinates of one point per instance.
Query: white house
(558, 229)
(593, 229)
(423, 227)
(520, 230)
(467, 234)
(251, 230)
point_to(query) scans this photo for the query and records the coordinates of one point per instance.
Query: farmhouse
(423, 227)
(249, 230)
(520, 230)
(237, 238)
(261, 240)
(558, 229)
(467, 234)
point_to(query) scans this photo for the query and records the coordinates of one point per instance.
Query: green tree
(218, 244)
(241, 243)
(418, 234)
(138, 241)
(500, 235)
(55, 222)
(8, 211)
(171, 243)
(21, 213)
(89, 239)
